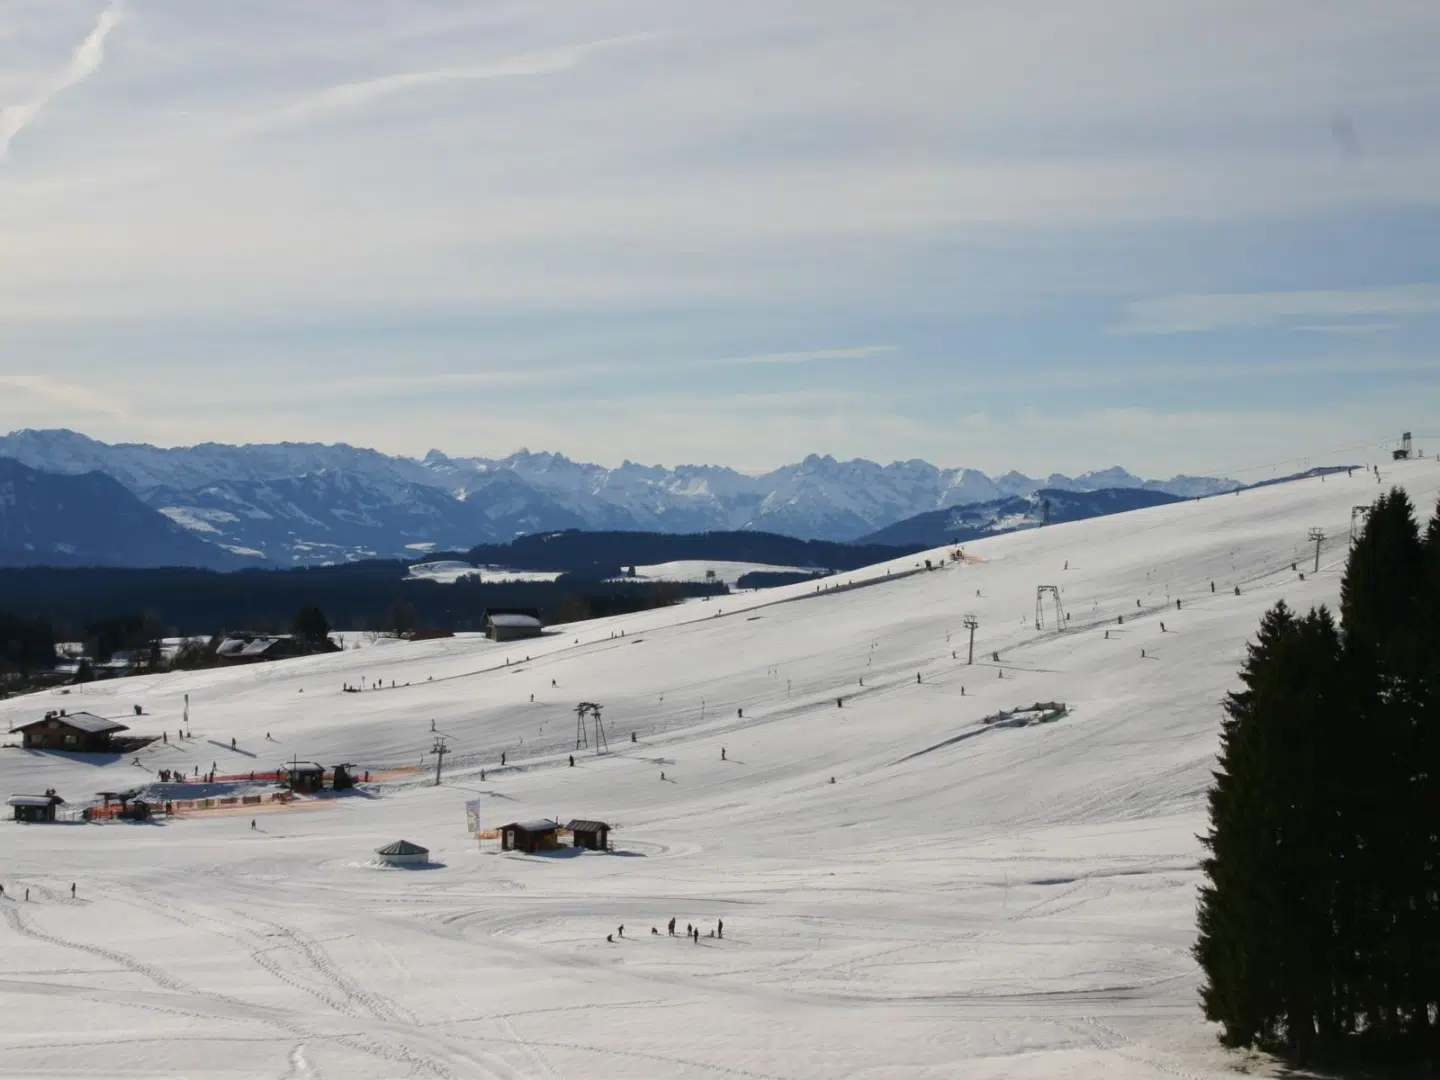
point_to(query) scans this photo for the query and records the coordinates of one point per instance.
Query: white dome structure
(402, 853)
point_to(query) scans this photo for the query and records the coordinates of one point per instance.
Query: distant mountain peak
(304, 503)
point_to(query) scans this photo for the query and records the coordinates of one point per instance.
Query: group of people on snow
(691, 931)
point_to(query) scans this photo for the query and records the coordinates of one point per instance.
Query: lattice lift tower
(602, 746)
(1052, 591)
(1358, 516)
(972, 624)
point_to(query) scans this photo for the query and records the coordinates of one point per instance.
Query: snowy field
(448, 571)
(964, 900)
(695, 570)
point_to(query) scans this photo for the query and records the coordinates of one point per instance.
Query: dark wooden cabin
(592, 835)
(530, 836)
(82, 732)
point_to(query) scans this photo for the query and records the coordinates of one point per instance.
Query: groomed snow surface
(963, 901)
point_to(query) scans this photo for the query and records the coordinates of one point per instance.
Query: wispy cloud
(810, 356)
(84, 62)
(366, 91)
(1347, 328)
(54, 392)
(1202, 312)
(378, 222)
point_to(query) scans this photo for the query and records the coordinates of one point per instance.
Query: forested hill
(357, 596)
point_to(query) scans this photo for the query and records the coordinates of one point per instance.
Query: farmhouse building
(257, 648)
(82, 732)
(512, 624)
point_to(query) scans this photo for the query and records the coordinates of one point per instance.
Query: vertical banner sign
(472, 817)
(187, 711)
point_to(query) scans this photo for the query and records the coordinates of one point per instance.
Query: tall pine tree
(1320, 920)
(1381, 604)
(1241, 904)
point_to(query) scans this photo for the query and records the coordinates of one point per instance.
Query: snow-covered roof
(543, 825)
(402, 847)
(515, 620)
(81, 721)
(34, 800)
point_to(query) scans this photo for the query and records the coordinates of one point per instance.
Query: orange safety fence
(220, 803)
(274, 776)
(181, 806)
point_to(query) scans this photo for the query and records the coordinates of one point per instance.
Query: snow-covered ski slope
(964, 900)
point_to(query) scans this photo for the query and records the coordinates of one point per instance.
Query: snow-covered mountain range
(306, 503)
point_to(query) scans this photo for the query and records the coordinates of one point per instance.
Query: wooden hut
(35, 808)
(82, 731)
(512, 624)
(593, 835)
(530, 836)
(306, 777)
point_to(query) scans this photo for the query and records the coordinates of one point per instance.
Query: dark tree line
(26, 645)
(1320, 920)
(93, 603)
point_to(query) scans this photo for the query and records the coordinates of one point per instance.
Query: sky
(1051, 236)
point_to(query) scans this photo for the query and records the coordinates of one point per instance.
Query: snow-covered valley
(907, 891)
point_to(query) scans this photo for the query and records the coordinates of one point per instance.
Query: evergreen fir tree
(1240, 907)
(1381, 601)
(1427, 798)
(1380, 592)
(1300, 724)
(310, 625)
(1320, 919)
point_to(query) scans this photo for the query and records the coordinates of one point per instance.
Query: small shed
(402, 853)
(530, 836)
(82, 731)
(512, 624)
(36, 808)
(306, 777)
(594, 835)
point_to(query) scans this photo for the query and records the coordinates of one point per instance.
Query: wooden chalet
(82, 732)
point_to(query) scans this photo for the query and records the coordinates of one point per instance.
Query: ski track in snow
(997, 900)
